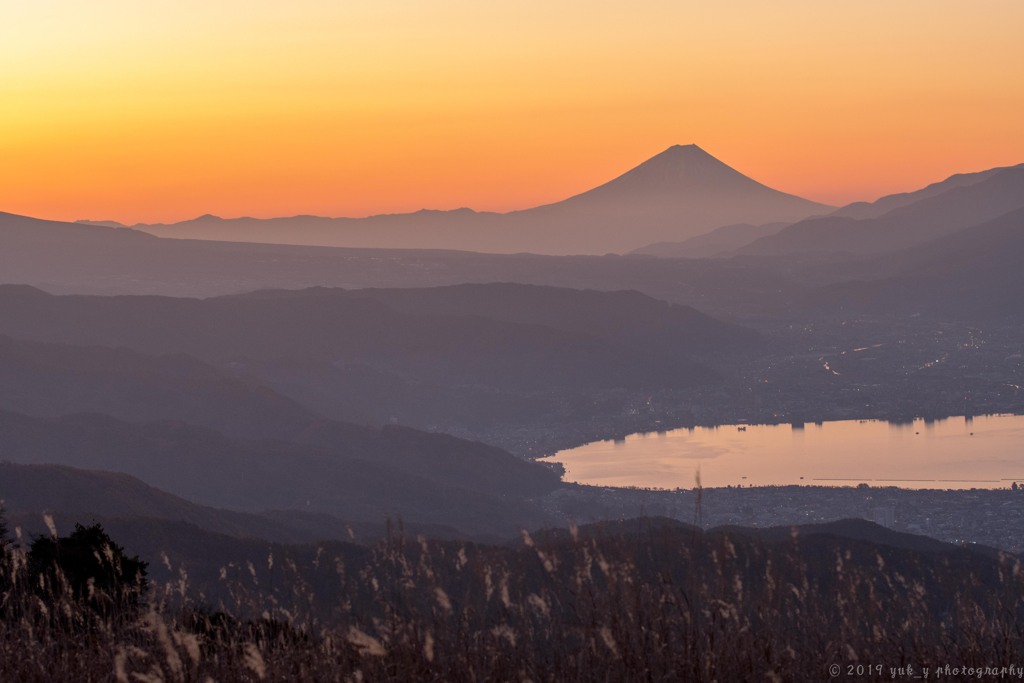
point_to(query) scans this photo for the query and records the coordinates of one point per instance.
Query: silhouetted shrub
(91, 566)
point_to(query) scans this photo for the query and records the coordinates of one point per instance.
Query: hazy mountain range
(104, 260)
(466, 357)
(914, 222)
(779, 266)
(891, 222)
(679, 193)
(973, 274)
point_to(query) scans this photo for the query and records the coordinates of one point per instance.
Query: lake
(952, 453)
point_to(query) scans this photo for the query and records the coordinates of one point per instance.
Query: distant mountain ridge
(935, 215)
(718, 242)
(679, 193)
(973, 274)
(883, 205)
(65, 258)
(859, 242)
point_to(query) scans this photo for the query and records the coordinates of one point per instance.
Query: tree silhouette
(92, 565)
(4, 540)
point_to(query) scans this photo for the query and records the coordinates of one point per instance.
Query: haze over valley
(900, 308)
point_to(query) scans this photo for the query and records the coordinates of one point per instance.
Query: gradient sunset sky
(163, 110)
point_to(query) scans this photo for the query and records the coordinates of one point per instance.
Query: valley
(209, 400)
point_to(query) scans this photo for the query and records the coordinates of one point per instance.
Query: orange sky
(160, 111)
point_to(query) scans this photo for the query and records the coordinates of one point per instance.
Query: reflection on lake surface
(962, 452)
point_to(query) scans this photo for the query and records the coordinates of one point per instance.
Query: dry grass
(658, 604)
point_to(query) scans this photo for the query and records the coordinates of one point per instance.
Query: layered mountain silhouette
(973, 274)
(73, 494)
(474, 359)
(105, 260)
(352, 473)
(913, 221)
(862, 241)
(859, 242)
(836, 234)
(679, 193)
(554, 341)
(720, 241)
(879, 207)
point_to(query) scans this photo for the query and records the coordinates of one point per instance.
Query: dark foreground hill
(71, 495)
(358, 475)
